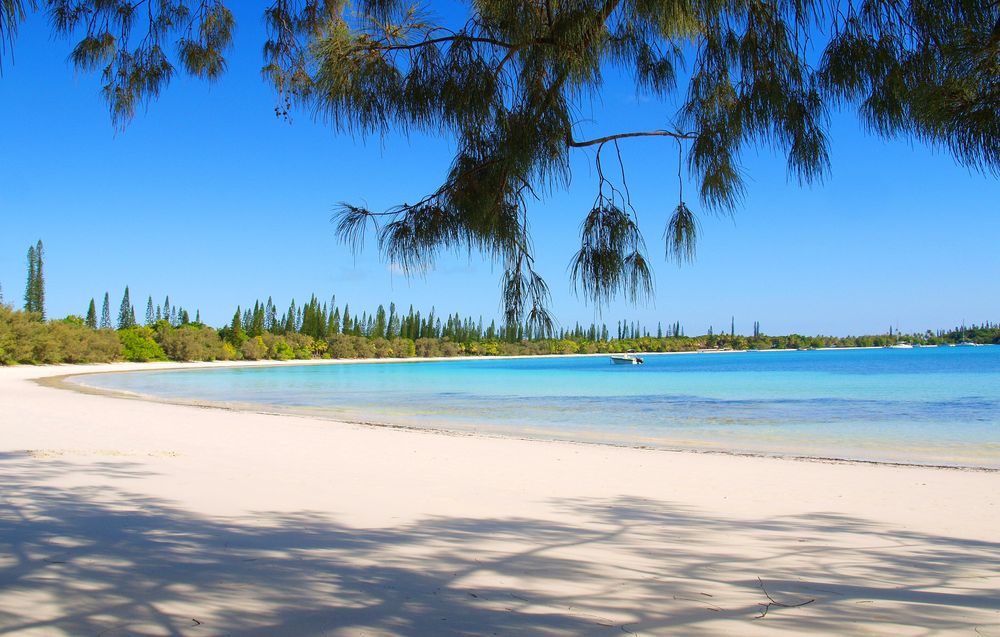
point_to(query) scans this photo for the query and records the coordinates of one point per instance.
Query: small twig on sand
(773, 602)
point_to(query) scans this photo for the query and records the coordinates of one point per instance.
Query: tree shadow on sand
(101, 561)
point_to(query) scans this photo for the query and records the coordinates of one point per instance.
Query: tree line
(327, 330)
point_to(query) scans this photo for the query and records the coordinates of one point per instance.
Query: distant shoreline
(74, 382)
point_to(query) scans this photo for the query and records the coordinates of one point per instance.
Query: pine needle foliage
(12, 12)
(507, 82)
(135, 46)
(611, 257)
(681, 234)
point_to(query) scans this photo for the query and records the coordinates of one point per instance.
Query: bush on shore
(25, 338)
(191, 342)
(139, 346)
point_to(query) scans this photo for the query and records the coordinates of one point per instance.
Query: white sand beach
(127, 517)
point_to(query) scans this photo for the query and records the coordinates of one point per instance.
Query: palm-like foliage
(12, 12)
(506, 85)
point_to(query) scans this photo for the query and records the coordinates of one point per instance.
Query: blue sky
(209, 198)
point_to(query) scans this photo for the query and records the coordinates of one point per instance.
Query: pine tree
(166, 309)
(34, 289)
(39, 281)
(259, 319)
(29, 288)
(150, 314)
(305, 323)
(322, 322)
(91, 320)
(106, 313)
(334, 325)
(272, 318)
(431, 331)
(269, 315)
(125, 312)
(236, 328)
(380, 323)
(289, 325)
(392, 328)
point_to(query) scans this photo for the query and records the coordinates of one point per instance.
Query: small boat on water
(628, 358)
(968, 344)
(901, 346)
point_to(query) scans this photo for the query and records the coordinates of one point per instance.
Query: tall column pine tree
(34, 290)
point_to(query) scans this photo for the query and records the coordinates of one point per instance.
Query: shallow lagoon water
(923, 406)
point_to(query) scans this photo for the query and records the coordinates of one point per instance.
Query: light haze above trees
(508, 80)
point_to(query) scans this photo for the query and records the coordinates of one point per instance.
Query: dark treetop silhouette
(505, 84)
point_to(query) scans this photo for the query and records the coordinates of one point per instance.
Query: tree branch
(601, 140)
(450, 38)
(771, 602)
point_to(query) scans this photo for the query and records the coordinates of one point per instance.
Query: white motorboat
(901, 346)
(629, 358)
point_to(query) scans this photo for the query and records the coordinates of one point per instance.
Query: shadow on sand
(100, 561)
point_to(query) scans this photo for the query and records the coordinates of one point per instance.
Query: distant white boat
(629, 358)
(901, 346)
(968, 344)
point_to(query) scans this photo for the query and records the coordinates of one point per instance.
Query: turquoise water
(925, 405)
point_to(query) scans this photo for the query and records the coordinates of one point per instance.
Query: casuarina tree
(507, 80)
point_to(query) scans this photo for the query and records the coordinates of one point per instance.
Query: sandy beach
(127, 517)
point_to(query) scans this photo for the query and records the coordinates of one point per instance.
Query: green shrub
(80, 344)
(427, 347)
(25, 338)
(277, 347)
(301, 344)
(340, 346)
(139, 346)
(18, 331)
(253, 349)
(191, 342)
(403, 348)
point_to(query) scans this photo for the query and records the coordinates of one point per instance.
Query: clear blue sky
(209, 198)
